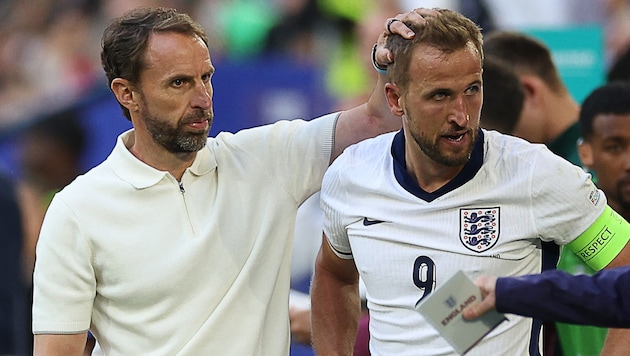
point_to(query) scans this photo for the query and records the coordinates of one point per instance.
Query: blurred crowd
(49, 49)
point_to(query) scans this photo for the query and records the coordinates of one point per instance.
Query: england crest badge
(479, 228)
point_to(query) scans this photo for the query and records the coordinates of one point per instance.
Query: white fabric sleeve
(565, 200)
(333, 203)
(65, 289)
(303, 146)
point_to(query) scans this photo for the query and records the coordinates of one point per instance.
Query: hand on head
(396, 26)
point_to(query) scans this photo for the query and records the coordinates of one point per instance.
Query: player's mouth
(456, 137)
(198, 124)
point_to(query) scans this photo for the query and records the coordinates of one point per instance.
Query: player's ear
(585, 151)
(394, 99)
(123, 90)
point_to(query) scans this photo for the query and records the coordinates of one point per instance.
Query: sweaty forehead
(433, 66)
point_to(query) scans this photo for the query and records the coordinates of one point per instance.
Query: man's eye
(178, 82)
(472, 90)
(439, 96)
(614, 148)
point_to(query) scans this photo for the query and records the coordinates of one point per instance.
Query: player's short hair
(611, 98)
(526, 55)
(503, 96)
(447, 31)
(125, 40)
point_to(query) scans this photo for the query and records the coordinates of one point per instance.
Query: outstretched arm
(600, 300)
(618, 340)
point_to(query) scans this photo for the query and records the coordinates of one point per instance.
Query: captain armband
(602, 241)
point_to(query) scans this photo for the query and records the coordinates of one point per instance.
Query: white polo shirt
(152, 267)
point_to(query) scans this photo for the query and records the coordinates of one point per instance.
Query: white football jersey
(490, 219)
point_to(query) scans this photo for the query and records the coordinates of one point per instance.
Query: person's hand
(487, 286)
(396, 25)
(300, 320)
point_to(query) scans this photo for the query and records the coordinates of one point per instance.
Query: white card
(443, 308)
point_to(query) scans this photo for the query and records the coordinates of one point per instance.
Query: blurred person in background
(604, 146)
(550, 113)
(50, 153)
(503, 96)
(48, 57)
(15, 331)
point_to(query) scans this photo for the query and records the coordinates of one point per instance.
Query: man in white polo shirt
(180, 244)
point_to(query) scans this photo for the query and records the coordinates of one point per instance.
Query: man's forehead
(433, 58)
(437, 66)
(606, 120)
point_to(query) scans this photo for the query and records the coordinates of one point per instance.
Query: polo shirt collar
(141, 175)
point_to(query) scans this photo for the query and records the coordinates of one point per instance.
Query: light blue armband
(380, 69)
(602, 241)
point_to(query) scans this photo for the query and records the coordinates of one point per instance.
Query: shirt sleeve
(333, 202)
(565, 200)
(599, 300)
(64, 290)
(295, 153)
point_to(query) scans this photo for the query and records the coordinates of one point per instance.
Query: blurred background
(275, 59)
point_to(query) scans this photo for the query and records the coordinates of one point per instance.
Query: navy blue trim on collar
(409, 183)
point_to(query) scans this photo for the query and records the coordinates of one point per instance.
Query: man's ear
(124, 93)
(392, 93)
(585, 151)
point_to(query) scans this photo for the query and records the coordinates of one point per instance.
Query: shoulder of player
(367, 152)
(498, 145)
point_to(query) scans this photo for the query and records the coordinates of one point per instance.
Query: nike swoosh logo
(368, 222)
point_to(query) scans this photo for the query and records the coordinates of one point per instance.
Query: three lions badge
(479, 228)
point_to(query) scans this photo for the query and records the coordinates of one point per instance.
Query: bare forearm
(53, 345)
(336, 309)
(365, 121)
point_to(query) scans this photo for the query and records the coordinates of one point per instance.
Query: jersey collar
(409, 183)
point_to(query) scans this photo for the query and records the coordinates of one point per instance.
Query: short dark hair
(125, 40)
(448, 31)
(611, 98)
(526, 55)
(620, 68)
(503, 96)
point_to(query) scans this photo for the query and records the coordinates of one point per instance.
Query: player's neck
(428, 174)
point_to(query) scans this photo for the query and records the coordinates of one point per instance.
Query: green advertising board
(578, 52)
